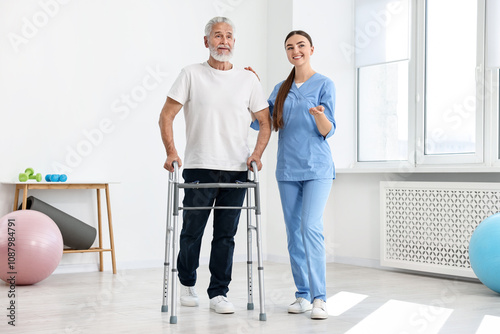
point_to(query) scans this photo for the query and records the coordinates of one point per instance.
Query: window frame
(448, 159)
(487, 153)
(492, 116)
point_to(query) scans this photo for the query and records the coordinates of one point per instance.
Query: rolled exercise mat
(76, 234)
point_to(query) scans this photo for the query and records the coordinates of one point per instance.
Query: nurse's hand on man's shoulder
(252, 70)
(317, 110)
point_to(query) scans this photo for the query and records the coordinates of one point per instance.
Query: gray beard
(218, 57)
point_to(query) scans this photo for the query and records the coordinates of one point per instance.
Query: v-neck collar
(303, 83)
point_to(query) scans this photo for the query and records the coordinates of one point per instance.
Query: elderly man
(219, 101)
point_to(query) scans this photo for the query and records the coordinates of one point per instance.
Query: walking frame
(171, 242)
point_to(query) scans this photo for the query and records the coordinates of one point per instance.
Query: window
(383, 112)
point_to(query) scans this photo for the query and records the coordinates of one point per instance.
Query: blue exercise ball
(484, 252)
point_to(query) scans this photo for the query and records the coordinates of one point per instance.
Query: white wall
(280, 13)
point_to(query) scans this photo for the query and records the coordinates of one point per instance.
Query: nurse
(302, 109)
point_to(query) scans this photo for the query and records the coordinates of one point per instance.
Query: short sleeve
(257, 98)
(327, 99)
(180, 88)
(272, 98)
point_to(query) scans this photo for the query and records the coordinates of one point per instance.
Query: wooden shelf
(25, 186)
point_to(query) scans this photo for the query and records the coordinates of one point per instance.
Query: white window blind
(492, 33)
(382, 29)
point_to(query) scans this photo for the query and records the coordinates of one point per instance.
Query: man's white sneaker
(188, 296)
(300, 305)
(319, 309)
(221, 305)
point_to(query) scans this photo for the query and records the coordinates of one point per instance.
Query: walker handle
(175, 174)
(255, 171)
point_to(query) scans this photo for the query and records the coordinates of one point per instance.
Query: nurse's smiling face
(298, 50)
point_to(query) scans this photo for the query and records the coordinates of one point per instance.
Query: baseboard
(125, 265)
(92, 267)
(278, 258)
(76, 268)
(355, 261)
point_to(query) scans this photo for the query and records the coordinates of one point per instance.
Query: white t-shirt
(217, 110)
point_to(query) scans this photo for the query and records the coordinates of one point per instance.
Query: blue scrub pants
(303, 205)
(224, 227)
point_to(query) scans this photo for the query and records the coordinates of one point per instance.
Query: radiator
(426, 226)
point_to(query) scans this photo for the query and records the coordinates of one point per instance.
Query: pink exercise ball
(31, 247)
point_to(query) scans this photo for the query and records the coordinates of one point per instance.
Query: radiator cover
(426, 226)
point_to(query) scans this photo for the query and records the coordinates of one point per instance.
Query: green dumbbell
(29, 174)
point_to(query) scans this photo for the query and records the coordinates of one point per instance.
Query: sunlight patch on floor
(489, 325)
(403, 318)
(343, 301)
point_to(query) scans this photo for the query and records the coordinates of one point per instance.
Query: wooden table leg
(99, 229)
(25, 196)
(16, 199)
(111, 238)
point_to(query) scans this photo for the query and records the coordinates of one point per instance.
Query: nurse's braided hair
(285, 87)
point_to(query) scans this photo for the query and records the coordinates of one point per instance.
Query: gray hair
(214, 21)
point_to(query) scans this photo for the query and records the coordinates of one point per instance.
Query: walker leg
(249, 253)
(173, 314)
(262, 315)
(166, 264)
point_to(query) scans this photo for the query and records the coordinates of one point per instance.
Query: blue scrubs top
(303, 153)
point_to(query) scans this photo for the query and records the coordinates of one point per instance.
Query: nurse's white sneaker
(188, 296)
(300, 305)
(319, 309)
(220, 304)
